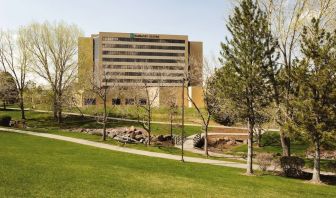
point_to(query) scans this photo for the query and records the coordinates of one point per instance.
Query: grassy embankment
(39, 167)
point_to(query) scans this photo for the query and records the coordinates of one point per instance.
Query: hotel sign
(133, 35)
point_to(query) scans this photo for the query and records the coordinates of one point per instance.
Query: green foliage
(241, 80)
(270, 138)
(8, 90)
(292, 166)
(315, 79)
(5, 120)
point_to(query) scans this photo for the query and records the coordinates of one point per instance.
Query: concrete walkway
(189, 146)
(129, 150)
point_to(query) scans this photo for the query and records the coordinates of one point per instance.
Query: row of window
(143, 46)
(142, 60)
(159, 81)
(144, 67)
(143, 40)
(143, 74)
(117, 101)
(141, 53)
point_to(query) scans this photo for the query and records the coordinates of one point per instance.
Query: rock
(231, 142)
(132, 128)
(96, 133)
(154, 138)
(167, 137)
(160, 138)
(138, 137)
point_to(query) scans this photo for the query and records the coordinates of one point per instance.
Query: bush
(292, 166)
(5, 120)
(270, 138)
(223, 119)
(264, 160)
(199, 142)
(332, 166)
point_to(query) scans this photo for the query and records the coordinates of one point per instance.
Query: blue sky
(200, 19)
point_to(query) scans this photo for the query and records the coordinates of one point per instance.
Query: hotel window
(89, 101)
(116, 101)
(142, 101)
(129, 101)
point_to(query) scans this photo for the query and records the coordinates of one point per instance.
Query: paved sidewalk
(130, 150)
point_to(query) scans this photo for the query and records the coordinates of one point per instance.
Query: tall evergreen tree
(243, 79)
(315, 78)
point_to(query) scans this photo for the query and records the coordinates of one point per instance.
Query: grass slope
(45, 120)
(39, 167)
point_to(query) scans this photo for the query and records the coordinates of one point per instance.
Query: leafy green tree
(315, 79)
(243, 80)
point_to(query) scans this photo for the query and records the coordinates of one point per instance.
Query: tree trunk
(149, 123)
(259, 137)
(285, 144)
(249, 170)
(59, 108)
(59, 116)
(206, 141)
(316, 170)
(4, 105)
(55, 109)
(104, 121)
(171, 128)
(182, 129)
(23, 117)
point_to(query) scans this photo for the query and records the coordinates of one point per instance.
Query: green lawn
(39, 167)
(45, 120)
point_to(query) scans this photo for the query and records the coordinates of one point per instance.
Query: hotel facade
(128, 62)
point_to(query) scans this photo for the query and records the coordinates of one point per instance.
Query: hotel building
(133, 60)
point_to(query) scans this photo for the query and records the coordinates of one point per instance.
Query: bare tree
(16, 58)
(54, 48)
(207, 95)
(173, 109)
(102, 88)
(151, 94)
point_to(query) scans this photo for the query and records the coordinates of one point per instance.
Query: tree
(208, 98)
(172, 109)
(8, 90)
(315, 78)
(102, 88)
(151, 94)
(16, 58)
(242, 79)
(287, 19)
(54, 48)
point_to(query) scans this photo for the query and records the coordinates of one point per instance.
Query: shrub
(199, 142)
(264, 160)
(332, 166)
(270, 138)
(5, 120)
(292, 166)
